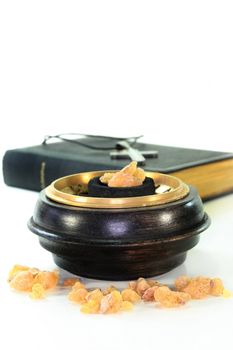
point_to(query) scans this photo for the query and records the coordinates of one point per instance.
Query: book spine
(35, 172)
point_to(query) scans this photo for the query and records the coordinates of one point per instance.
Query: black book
(36, 167)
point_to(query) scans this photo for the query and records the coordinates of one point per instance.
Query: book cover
(36, 167)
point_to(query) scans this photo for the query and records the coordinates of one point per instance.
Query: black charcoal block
(97, 189)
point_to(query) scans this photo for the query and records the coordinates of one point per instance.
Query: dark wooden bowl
(119, 243)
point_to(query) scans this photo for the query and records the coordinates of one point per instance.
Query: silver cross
(126, 151)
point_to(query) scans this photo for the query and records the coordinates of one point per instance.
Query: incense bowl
(118, 238)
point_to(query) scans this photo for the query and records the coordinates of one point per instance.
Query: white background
(159, 68)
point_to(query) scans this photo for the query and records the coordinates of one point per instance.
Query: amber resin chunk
(111, 303)
(22, 281)
(16, 269)
(47, 279)
(78, 285)
(129, 176)
(78, 295)
(145, 288)
(109, 290)
(69, 282)
(148, 295)
(168, 298)
(98, 302)
(199, 287)
(95, 294)
(130, 295)
(32, 280)
(37, 292)
(216, 287)
(90, 307)
(111, 300)
(126, 306)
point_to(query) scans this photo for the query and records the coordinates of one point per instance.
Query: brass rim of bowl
(54, 191)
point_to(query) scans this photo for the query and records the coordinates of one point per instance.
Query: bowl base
(114, 273)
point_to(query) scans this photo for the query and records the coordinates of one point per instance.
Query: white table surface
(55, 323)
(158, 68)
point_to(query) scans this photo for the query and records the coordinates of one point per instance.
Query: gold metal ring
(54, 191)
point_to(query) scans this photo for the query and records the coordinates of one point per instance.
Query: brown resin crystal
(110, 300)
(129, 176)
(199, 287)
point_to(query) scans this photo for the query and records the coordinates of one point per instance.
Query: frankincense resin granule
(129, 176)
(111, 300)
(32, 280)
